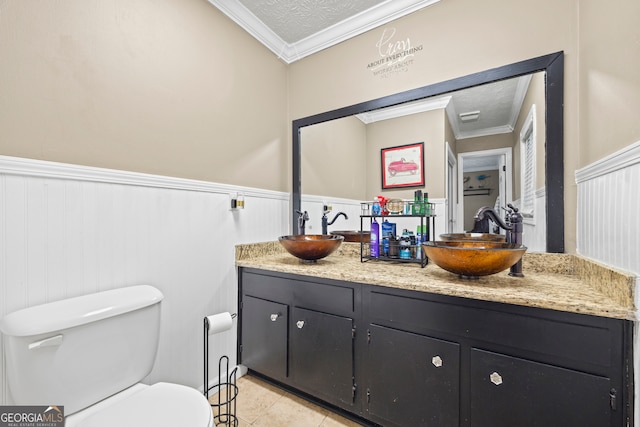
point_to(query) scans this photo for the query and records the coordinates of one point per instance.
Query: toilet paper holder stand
(226, 388)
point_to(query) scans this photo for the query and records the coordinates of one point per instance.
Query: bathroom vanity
(398, 345)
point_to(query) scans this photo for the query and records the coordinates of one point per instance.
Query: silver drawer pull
(495, 378)
(47, 342)
(437, 361)
(274, 317)
(300, 324)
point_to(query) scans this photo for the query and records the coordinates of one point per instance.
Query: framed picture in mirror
(402, 166)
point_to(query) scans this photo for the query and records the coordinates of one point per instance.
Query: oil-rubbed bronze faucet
(325, 221)
(512, 225)
(303, 217)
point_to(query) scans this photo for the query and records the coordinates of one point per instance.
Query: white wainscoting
(608, 228)
(314, 205)
(69, 230)
(608, 206)
(534, 231)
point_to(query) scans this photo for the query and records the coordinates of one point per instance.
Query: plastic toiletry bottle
(419, 242)
(405, 245)
(375, 207)
(427, 205)
(387, 228)
(375, 239)
(416, 209)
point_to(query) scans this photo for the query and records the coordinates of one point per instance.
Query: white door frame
(507, 152)
(451, 185)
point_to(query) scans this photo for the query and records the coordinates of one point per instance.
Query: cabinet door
(414, 379)
(264, 337)
(507, 391)
(322, 355)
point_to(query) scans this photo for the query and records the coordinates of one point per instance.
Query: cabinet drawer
(316, 294)
(572, 338)
(267, 287)
(323, 297)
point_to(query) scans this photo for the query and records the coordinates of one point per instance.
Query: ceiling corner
(353, 26)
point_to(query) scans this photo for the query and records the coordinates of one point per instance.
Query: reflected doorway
(484, 179)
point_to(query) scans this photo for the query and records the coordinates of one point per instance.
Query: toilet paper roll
(219, 322)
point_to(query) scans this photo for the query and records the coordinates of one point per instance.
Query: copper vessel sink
(353, 236)
(471, 259)
(310, 247)
(473, 237)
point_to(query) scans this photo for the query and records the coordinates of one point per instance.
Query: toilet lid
(159, 405)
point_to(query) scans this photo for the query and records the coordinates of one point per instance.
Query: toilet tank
(78, 351)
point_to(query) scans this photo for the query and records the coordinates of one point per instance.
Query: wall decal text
(394, 55)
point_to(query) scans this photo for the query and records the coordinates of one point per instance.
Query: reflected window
(528, 162)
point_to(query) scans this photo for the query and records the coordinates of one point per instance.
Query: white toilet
(89, 355)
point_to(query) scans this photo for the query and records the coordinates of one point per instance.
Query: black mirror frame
(552, 64)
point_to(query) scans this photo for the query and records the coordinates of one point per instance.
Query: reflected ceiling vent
(470, 116)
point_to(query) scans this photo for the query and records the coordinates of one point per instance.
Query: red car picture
(402, 166)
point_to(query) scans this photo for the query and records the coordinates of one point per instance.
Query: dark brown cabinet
(509, 391)
(397, 357)
(414, 380)
(300, 333)
(264, 332)
(321, 348)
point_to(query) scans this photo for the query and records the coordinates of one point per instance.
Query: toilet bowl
(89, 354)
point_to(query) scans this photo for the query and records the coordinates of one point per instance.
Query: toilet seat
(158, 405)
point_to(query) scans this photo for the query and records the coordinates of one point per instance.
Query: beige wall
(535, 96)
(165, 87)
(333, 159)
(427, 127)
(341, 158)
(609, 77)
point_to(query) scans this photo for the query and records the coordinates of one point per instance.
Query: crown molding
(485, 132)
(404, 110)
(351, 27)
(518, 99)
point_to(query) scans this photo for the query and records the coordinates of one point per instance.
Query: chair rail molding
(54, 170)
(621, 159)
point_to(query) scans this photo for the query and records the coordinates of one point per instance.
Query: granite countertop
(561, 282)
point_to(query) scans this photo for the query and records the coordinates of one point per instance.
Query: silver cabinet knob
(495, 378)
(274, 317)
(300, 324)
(437, 361)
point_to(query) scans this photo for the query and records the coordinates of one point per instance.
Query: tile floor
(262, 404)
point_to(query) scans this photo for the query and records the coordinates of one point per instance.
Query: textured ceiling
(294, 20)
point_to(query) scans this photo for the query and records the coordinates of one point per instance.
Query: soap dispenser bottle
(375, 239)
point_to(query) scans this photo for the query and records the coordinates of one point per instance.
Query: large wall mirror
(459, 147)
